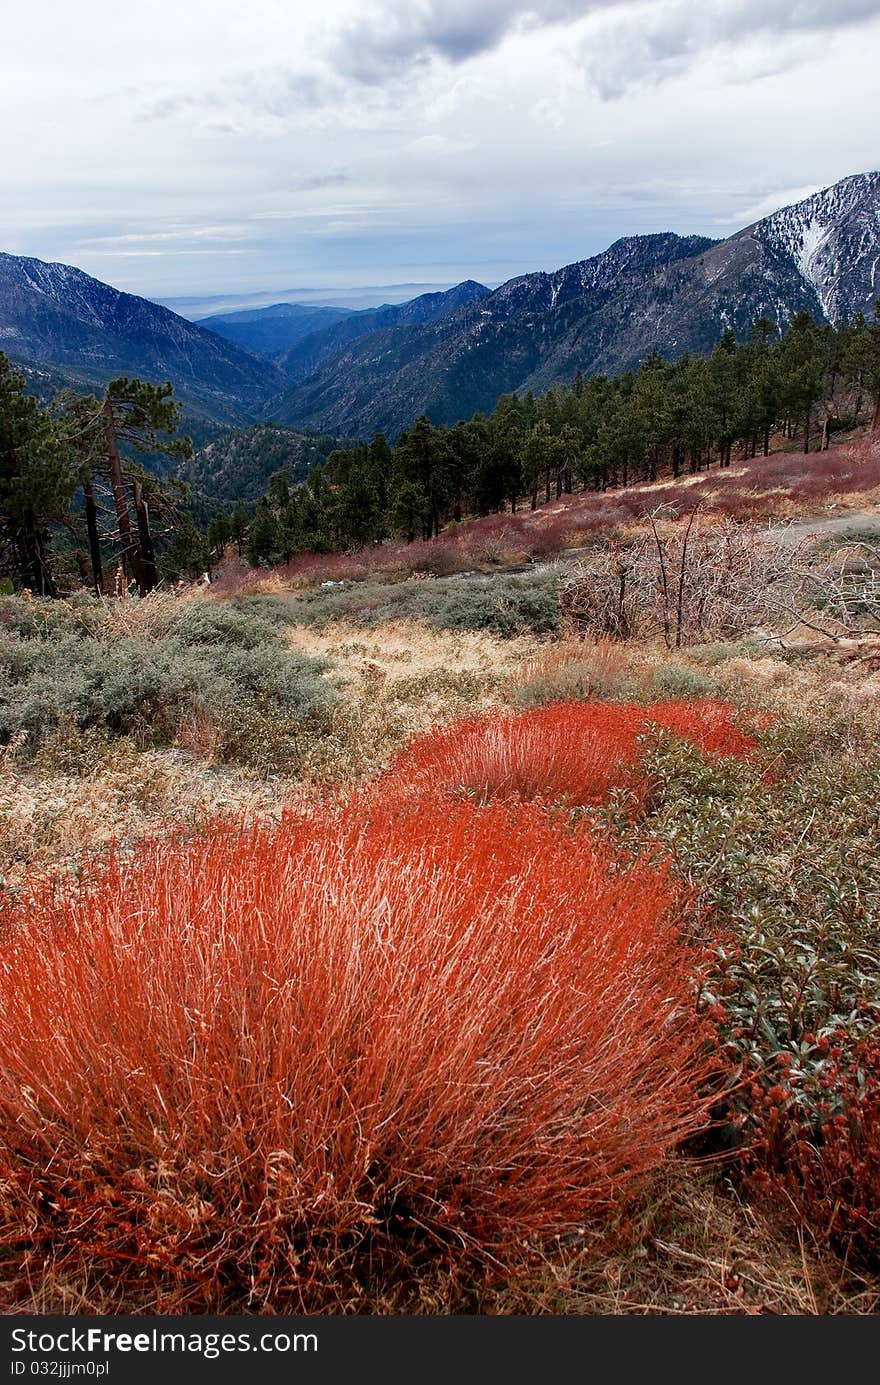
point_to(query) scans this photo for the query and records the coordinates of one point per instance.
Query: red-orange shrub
(252, 1068)
(575, 752)
(709, 725)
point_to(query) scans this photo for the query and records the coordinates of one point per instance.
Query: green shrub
(505, 605)
(61, 666)
(787, 868)
(34, 619)
(720, 653)
(218, 623)
(571, 682)
(674, 680)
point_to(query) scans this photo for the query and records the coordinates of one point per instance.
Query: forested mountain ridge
(301, 359)
(266, 331)
(238, 465)
(56, 318)
(282, 329)
(605, 314)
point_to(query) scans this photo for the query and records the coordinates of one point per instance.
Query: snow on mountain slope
(833, 237)
(53, 315)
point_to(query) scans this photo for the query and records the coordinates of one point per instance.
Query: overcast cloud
(201, 147)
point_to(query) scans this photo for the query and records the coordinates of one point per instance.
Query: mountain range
(299, 339)
(60, 323)
(448, 354)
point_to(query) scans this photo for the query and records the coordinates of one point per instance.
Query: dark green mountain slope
(56, 319)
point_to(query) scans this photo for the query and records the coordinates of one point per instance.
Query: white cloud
(654, 42)
(208, 147)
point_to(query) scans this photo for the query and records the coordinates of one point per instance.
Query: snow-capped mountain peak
(833, 238)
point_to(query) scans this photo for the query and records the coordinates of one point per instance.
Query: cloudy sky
(196, 147)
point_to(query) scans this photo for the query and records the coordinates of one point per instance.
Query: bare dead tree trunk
(664, 580)
(681, 572)
(151, 575)
(94, 539)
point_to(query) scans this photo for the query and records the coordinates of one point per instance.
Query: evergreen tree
(36, 482)
(238, 527)
(422, 462)
(261, 543)
(803, 363)
(187, 554)
(219, 533)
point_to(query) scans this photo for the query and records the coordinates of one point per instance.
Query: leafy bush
(215, 622)
(568, 670)
(31, 619)
(815, 1145)
(575, 681)
(677, 681)
(272, 1067)
(788, 868)
(504, 605)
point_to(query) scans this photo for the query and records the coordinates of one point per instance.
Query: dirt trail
(867, 521)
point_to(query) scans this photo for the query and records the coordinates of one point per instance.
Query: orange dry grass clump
(572, 751)
(246, 1069)
(709, 725)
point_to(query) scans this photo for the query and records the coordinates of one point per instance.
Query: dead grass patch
(694, 1248)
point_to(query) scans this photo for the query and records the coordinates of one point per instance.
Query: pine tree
(422, 461)
(238, 526)
(261, 543)
(803, 365)
(144, 416)
(36, 482)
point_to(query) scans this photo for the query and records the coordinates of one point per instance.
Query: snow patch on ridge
(831, 237)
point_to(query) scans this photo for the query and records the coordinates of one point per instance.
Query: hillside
(349, 783)
(605, 314)
(237, 465)
(266, 331)
(57, 320)
(301, 359)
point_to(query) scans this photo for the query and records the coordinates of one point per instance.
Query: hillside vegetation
(580, 1014)
(665, 423)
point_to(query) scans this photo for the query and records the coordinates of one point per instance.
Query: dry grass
(818, 693)
(398, 680)
(608, 660)
(52, 815)
(401, 651)
(694, 1247)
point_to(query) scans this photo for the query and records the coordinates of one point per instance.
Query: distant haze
(189, 151)
(207, 306)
